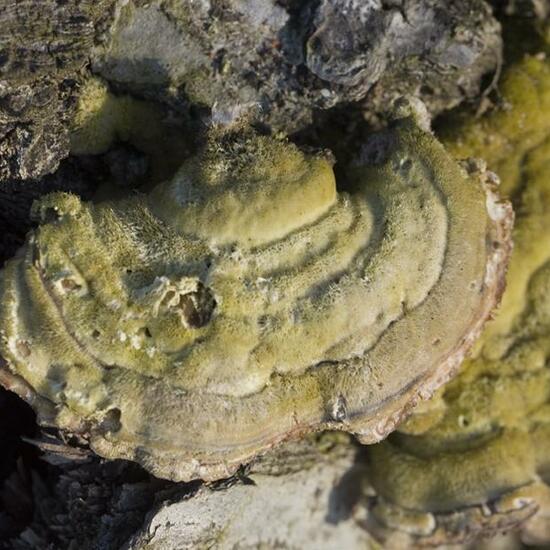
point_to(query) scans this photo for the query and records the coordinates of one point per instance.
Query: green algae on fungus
(487, 434)
(246, 301)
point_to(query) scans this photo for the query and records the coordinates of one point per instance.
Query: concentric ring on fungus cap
(246, 301)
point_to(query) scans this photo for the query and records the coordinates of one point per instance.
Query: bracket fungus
(247, 301)
(476, 460)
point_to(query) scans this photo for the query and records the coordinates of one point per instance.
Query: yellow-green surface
(488, 431)
(103, 118)
(246, 300)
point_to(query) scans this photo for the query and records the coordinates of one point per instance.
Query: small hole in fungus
(144, 331)
(111, 421)
(197, 307)
(50, 215)
(23, 348)
(96, 334)
(463, 422)
(426, 90)
(406, 165)
(70, 285)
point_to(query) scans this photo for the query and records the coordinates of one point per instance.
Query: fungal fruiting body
(247, 301)
(476, 460)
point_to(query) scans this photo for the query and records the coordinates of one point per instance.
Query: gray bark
(43, 47)
(297, 58)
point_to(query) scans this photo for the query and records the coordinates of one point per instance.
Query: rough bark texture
(44, 50)
(296, 58)
(43, 47)
(86, 505)
(16, 198)
(307, 490)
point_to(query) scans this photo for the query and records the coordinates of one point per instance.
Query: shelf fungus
(476, 460)
(247, 301)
